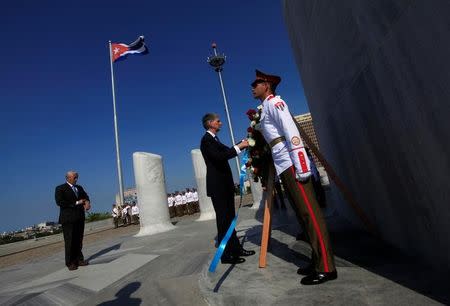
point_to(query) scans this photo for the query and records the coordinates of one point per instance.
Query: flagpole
(217, 61)
(116, 133)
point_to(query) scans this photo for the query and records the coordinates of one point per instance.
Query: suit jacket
(219, 179)
(65, 198)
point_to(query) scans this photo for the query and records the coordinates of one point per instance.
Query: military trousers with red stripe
(312, 220)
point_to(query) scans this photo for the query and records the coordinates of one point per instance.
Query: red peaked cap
(274, 79)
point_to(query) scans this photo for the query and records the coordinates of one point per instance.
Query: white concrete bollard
(151, 194)
(206, 207)
(257, 193)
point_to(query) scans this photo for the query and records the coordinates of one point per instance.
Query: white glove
(303, 177)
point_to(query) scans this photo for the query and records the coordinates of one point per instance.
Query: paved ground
(171, 268)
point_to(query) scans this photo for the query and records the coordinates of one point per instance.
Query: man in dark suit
(73, 201)
(220, 186)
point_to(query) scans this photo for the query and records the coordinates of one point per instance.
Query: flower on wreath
(251, 113)
(259, 151)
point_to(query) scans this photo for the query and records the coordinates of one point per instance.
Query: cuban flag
(120, 51)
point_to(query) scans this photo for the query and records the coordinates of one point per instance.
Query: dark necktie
(75, 190)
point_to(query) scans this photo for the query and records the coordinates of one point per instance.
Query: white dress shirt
(235, 147)
(134, 210)
(178, 200)
(170, 201)
(74, 187)
(189, 197)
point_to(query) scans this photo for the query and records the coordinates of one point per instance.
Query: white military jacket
(195, 196)
(178, 200)
(189, 197)
(276, 121)
(170, 201)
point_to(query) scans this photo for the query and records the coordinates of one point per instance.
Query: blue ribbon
(243, 172)
(223, 243)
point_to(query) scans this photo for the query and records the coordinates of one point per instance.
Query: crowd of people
(183, 202)
(180, 203)
(127, 214)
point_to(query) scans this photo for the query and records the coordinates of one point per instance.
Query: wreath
(260, 155)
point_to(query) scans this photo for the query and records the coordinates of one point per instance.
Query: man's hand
(243, 144)
(80, 202)
(87, 205)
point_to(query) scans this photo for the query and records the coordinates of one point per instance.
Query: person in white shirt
(178, 203)
(115, 214)
(170, 203)
(135, 213)
(195, 198)
(125, 215)
(293, 166)
(169, 200)
(190, 202)
(184, 202)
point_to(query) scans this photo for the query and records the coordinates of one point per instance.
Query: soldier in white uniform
(178, 205)
(190, 201)
(170, 203)
(184, 202)
(135, 213)
(195, 198)
(115, 215)
(293, 167)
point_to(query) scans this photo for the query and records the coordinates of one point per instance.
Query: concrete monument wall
(206, 207)
(376, 76)
(151, 194)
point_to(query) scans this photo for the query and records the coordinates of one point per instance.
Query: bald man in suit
(73, 201)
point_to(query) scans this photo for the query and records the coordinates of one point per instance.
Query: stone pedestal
(206, 208)
(257, 194)
(151, 194)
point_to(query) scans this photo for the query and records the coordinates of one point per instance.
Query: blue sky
(55, 90)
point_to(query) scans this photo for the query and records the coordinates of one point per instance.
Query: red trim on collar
(270, 97)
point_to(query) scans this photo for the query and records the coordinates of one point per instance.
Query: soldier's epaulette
(278, 102)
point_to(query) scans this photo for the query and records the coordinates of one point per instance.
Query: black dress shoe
(246, 253)
(318, 278)
(232, 260)
(306, 270)
(72, 267)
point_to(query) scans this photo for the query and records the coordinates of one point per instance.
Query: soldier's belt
(276, 141)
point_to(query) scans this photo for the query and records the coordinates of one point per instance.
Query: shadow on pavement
(104, 251)
(124, 296)
(362, 249)
(222, 278)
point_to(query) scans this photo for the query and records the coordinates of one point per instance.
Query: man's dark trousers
(73, 241)
(304, 198)
(225, 213)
